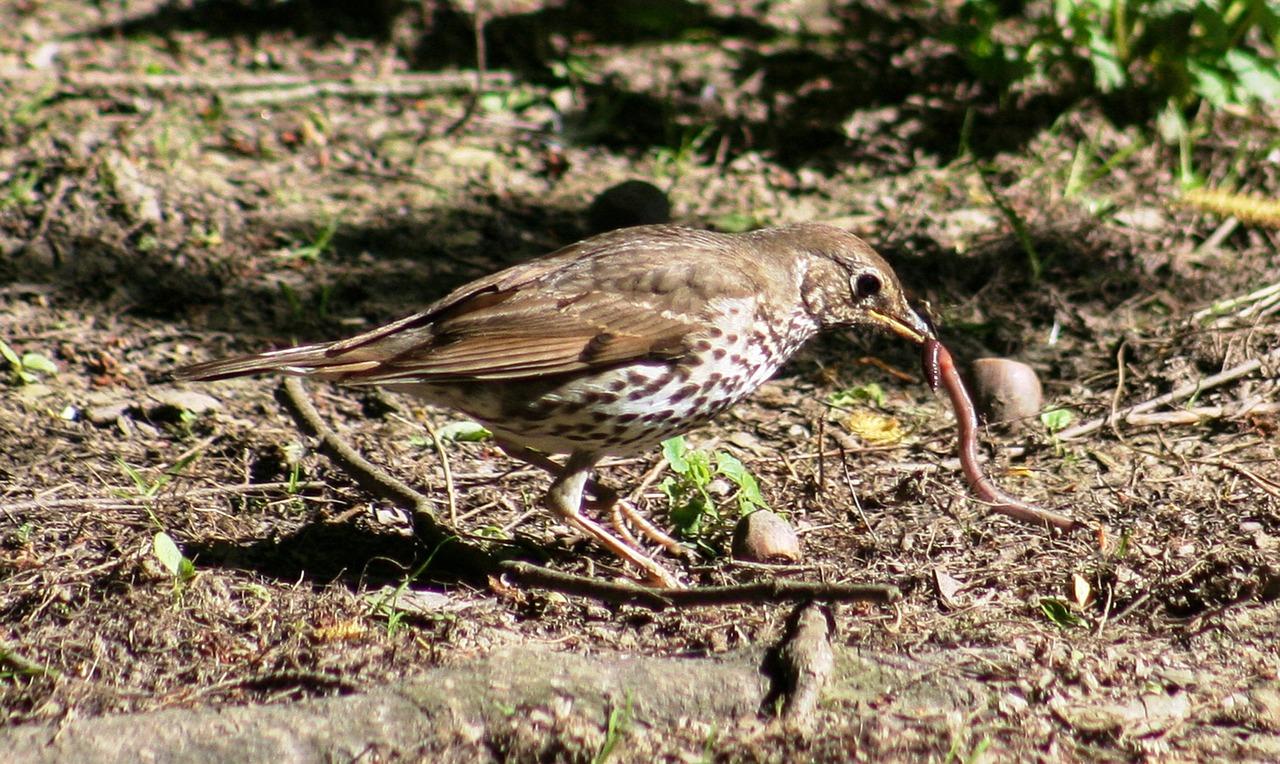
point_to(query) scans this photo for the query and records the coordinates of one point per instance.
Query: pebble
(182, 400)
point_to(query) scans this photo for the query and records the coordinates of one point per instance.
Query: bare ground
(166, 197)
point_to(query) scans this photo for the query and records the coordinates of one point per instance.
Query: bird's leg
(564, 497)
(655, 534)
(603, 498)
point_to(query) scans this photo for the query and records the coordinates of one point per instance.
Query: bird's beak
(908, 324)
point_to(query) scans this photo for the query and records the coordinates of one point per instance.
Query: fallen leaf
(1081, 592)
(948, 587)
(876, 429)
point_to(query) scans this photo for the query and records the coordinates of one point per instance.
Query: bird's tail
(304, 361)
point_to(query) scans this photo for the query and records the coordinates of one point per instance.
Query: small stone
(107, 413)
(763, 536)
(166, 401)
(34, 391)
(630, 203)
(1006, 390)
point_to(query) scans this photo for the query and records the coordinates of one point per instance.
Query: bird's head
(845, 283)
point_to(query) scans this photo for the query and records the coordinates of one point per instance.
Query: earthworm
(940, 368)
(932, 363)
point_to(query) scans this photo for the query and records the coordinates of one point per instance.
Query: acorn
(763, 536)
(1005, 390)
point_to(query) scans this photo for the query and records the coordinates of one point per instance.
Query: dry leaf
(1081, 592)
(876, 429)
(948, 587)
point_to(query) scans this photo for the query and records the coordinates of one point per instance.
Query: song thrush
(614, 344)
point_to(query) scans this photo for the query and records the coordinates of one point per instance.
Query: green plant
(20, 189)
(320, 243)
(171, 557)
(871, 393)
(619, 722)
(149, 489)
(30, 112)
(18, 666)
(1055, 421)
(28, 367)
(387, 605)
(298, 309)
(1175, 52)
(692, 507)
(463, 431)
(1059, 613)
(675, 160)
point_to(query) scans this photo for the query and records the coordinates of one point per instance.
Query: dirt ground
(181, 181)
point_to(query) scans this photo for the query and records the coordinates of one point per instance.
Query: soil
(183, 181)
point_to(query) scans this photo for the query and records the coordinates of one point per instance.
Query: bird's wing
(599, 303)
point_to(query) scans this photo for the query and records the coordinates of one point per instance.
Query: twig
(450, 492)
(46, 215)
(1178, 393)
(257, 89)
(624, 593)
(803, 663)
(294, 399)
(857, 503)
(1201, 413)
(482, 58)
(1267, 485)
(103, 503)
(376, 481)
(1219, 235)
(1222, 307)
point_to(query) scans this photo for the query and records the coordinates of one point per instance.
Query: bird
(612, 345)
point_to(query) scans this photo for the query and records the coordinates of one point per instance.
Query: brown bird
(614, 344)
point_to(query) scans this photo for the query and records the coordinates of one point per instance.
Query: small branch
(803, 663)
(257, 89)
(1200, 414)
(105, 503)
(1176, 394)
(450, 491)
(292, 396)
(1221, 308)
(482, 58)
(624, 593)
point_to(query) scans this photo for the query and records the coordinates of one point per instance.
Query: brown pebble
(763, 536)
(1006, 390)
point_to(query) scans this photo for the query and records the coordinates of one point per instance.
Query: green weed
(26, 368)
(1221, 52)
(692, 507)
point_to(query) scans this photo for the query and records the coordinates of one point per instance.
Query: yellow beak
(911, 326)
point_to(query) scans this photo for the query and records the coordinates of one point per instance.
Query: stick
(622, 592)
(256, 89)
(376, 481)
(1178, 393)
(1200, 414)
(379, 483)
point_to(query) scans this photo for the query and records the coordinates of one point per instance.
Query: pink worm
(940, 369)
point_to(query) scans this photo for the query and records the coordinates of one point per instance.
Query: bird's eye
(866, 285)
